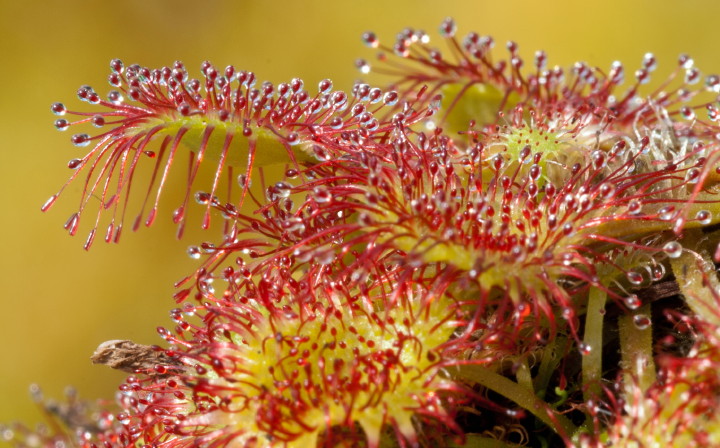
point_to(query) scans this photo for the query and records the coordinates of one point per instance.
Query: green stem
(636, 347)
(524, 376)
(592, 361)
(552, 355)
(520, 395)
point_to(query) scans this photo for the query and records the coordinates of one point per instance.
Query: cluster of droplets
(293, 358)
(225, 117)
(489, 217)
(388, 256)
(478, 215)
(474, 62)
(469, 74)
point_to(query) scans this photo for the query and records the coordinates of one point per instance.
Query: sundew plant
(483, 252)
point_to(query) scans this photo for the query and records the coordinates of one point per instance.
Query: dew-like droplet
(98, 121)
(370, 39)
(641, 321)
(713, 83)
(80, 140)
(117, 66)
(194, 252)
(82, 92)
(713, 112)
(115, 97)
(685, 61)
(283, 189)
(325, 86)
(361, 91)
(535, 171)
(93, 98)
(123, 418)
(498, 162)
(692, 76)
(202, 197)
(363, 66)
(618, 148)
(188, 309)
(687, 113)
(62, 124)
(584, 348)
(658, 272)
(242, 179)
(375, 95)
(184, 109)
(390, 98)
(692, 176)
(667, 213)
(599, 160)
(525, 152)
(703, 217)
(635, 277)
(296, 84)
(448, 28)
(74, 163)
(552, 222)
(58, 109)
(293, 138)
(634, 207)
(673, 249)
(322, 195)
(632, 301)
(336, 123)
(114, 80)
(649, 62)
(617, 73)
(642, 76)
(339, 100)
(607, 191)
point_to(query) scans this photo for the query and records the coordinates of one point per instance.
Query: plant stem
(636, 348)
(552, 355)
(523, 375)
(592, 361)
(520, 395)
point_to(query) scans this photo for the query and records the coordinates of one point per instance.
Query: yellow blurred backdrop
(57, 302)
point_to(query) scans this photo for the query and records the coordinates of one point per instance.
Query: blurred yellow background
(59, 302)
